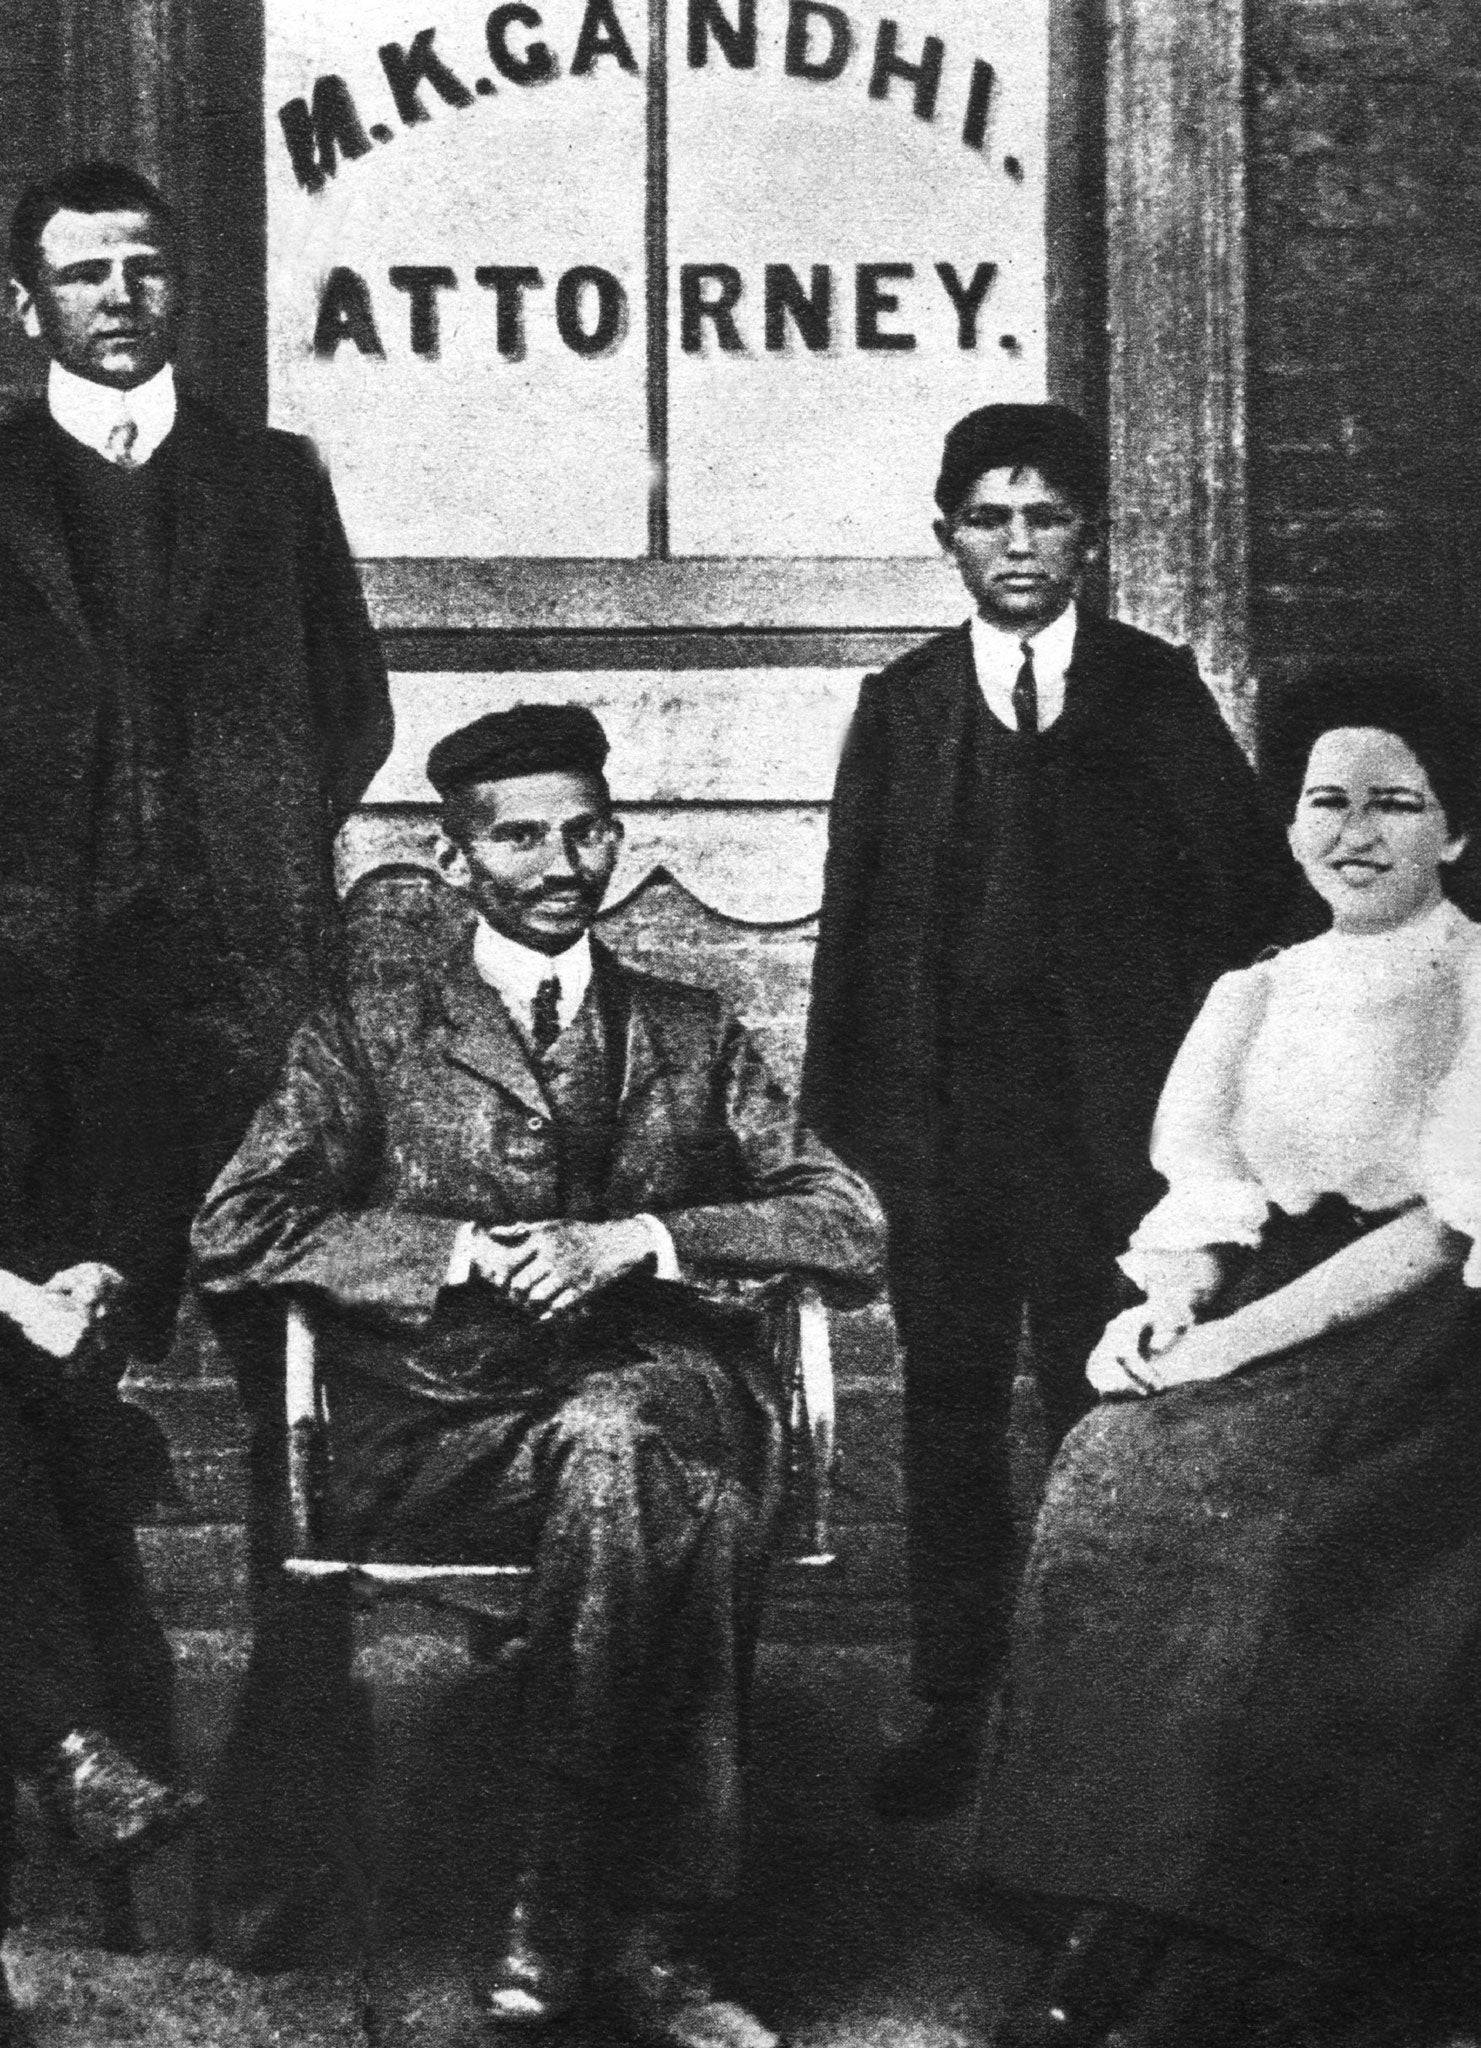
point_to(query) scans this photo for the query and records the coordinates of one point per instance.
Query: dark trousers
(79, 1643)
(965, 1534)
(166, 1086)
(630, 1497)
(963, 1520)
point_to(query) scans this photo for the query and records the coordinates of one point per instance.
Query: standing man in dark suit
(192, 700)
(540, 1201)
(1044, 845)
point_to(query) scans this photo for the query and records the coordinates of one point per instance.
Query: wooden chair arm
(305, 1421)
(812, 1426)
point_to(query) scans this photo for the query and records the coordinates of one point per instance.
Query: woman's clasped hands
(1151, 1347)
(1159, 1344)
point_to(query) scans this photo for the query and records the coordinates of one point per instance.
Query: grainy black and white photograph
(740, 1024)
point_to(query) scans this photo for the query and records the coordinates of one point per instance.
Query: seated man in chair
(536, 1196)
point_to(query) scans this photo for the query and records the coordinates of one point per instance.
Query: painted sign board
(651, 279)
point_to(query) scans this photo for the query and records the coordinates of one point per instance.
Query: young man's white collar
(514, 972)
(998, 655)
(90, 412)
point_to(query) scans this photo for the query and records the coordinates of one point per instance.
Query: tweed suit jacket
(406, 1110)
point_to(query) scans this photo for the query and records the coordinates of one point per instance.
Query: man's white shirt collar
(998, 655)
(515, 972)
(90, 412)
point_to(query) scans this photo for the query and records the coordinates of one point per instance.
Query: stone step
(397, 1640)
(198, 1578)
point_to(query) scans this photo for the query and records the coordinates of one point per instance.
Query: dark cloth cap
(530, 739)
(1049, 438)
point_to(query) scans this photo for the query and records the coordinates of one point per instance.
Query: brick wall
(1365, 230)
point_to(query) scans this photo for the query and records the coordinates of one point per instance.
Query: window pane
(476, 449)
(780, 448)
(855, 252)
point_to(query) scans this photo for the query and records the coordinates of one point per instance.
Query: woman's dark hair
(1437, 726)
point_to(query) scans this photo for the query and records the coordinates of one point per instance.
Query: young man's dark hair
(95, 187)
(1049, 438)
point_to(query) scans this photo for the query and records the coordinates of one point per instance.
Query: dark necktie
(545, 1015)
(1026, 693)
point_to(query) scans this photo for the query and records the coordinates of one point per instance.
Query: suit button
(535, 1123)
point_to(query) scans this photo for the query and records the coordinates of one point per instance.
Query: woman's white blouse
(1346, 1065)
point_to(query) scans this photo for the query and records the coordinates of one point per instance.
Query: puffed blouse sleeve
(1450, 1137)
(1212, 1194)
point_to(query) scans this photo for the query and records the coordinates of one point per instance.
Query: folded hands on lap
(550, 1268)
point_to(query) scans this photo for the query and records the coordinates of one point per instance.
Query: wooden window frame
(1145, 245)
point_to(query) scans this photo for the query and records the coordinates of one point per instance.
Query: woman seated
(1241, 1751)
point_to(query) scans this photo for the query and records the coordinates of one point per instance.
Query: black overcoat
(277, 668)
(1168, 872)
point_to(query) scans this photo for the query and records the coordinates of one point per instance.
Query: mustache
(562, 892)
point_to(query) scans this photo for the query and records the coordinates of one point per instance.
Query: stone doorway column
(170, 86)
(1175, 209)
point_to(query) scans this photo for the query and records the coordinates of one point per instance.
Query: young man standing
(1044, 845)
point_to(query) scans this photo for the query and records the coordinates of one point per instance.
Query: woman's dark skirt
(1245, 1689)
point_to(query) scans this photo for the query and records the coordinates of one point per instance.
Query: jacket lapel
(480, 1037)
(638, 1060)
(629, 1045)
(1115, 719)
(32, 531)
(29, 523)
(1090, 664)
(1101, 691)
(940, 703)
(205, 488)
(940, 706)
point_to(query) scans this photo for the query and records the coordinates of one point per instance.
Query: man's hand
(92, 1288)
(59, 1316)
(550, 1268)
(494, 1259)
